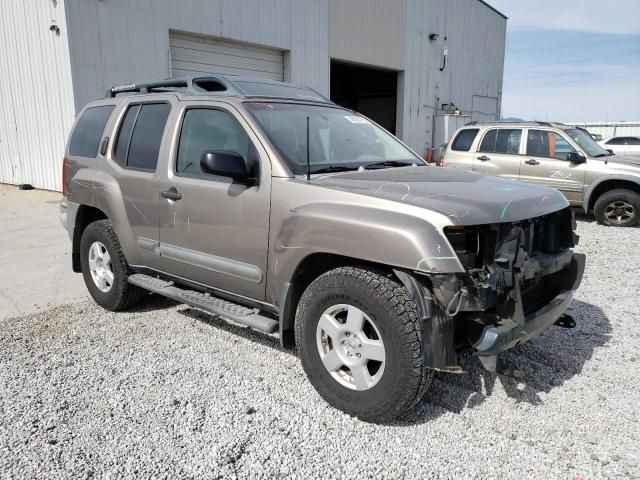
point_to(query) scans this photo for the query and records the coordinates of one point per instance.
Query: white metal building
(398, 61)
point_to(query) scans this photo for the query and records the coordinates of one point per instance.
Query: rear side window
(505, 140)
(140, 136)
(85, 139)
(633, 141)
(464, 139)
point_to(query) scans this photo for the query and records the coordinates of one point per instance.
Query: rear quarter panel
(79, 172)
(459, 158)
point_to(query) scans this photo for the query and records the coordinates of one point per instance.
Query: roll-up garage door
(197, 54)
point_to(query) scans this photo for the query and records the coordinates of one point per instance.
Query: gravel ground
(168, 392)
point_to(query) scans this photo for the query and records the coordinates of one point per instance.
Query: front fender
(599, 180)
(373, 234)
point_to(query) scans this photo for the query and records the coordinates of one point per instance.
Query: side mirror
(575, 157)
(226, 164)
(610, 152)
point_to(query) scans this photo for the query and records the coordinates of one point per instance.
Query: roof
(222, 85)
(494, 9)
(521, 123)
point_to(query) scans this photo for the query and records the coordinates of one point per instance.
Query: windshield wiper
(389, 163)
(602, 155)
(333, 168)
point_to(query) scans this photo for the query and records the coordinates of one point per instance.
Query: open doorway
(370, 91)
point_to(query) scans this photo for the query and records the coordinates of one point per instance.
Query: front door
(213, 230)
(545, 163)
(498, 153)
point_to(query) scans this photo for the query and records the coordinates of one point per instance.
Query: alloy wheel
(100, 267)
(620, 212)
(350, 347)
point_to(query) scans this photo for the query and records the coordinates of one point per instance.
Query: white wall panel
(124, 41)
(35, 93)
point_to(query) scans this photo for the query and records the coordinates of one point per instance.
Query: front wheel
(360, 341)
(105, 269)
(618, 208)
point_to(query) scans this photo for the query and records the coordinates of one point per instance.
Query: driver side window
(543, 143)
(206, 129)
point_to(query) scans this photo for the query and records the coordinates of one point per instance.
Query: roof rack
(222, 85)
(508, 122)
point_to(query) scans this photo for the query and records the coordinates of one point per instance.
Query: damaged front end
(519, 279)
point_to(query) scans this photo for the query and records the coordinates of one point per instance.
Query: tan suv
(555, 155)
(268, 205)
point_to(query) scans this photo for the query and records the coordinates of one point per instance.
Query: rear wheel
(105, 269)
(360, 341)
(618, 208)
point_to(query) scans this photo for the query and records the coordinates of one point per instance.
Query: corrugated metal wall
(369, 32)
(474, 36)
(35, 92)
(122, 41)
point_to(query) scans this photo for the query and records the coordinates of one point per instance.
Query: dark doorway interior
(370, 91)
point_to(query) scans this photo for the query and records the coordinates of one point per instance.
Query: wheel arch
(307, 270)
(84, 217)
(607, 184)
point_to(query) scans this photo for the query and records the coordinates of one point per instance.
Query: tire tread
(126, 294)
(417, 377)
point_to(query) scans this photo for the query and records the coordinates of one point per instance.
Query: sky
(571, 60)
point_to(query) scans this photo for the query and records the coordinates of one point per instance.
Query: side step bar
(205, 301)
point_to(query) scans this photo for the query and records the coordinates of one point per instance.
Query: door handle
(484, 158)
(103, 146)
(171, 194)
(531, 161)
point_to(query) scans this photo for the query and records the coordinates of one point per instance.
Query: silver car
(554, 155)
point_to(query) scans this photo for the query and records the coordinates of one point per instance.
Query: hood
(467, 198)
(622, 160)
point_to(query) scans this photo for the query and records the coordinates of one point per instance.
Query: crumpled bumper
(498, 338)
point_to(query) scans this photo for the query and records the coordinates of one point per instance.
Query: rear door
(545, 163)
(132, 164)
(498, 153)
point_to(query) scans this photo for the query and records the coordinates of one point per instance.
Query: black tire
(388, 304)
(622, 201)
(122, 294)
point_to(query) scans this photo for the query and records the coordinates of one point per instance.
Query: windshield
(338, 139)
(587, 143)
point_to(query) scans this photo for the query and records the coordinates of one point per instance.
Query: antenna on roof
(308, 160)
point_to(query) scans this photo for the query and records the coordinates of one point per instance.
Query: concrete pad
(35, 254)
